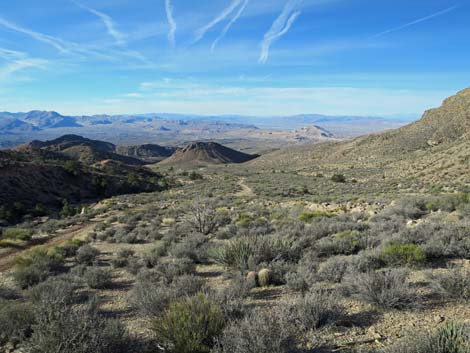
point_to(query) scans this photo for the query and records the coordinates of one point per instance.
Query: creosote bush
(388, 289)
(452, 284)
(87, 254)
(451, 338)
(189, 325)
(396, 254)
(260, 332)
(36, 267)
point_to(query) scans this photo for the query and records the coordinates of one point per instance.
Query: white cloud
(52, 41)
(171, 23)
(230, 24)
(279, 28)
(107, 21)
(409, 24)
(200, 33)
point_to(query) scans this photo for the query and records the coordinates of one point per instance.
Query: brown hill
(47, 173)
(434, 148)
(148, 152)
(79, 148)
(207, 153)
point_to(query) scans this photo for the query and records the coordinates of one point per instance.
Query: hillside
(70, 168)
(80, 149)
(436, 147)
(147, 152)
(207, 153)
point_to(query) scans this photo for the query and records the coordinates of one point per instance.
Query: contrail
(54, 42)
(108, 22)
(171, 23)
(230, 24)
(222, 16)
(437, 14)
(279, 27)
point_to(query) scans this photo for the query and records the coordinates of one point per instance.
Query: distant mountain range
(250, 133)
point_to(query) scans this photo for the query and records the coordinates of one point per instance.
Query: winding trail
(246, 191)
(7, 261)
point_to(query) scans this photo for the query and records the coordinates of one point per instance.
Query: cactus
(252, 278)
(265, 277)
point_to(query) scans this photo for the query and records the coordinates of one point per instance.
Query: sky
(249, 57)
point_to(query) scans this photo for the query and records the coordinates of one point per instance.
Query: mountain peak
(207, 153)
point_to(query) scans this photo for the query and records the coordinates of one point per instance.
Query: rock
(439, 318)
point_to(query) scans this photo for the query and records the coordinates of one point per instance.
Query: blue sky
(256, 57)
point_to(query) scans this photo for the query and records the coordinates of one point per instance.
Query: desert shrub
(193, 247)
(334, 268)
(338, 178)
(260, 332)
(231, 298)
(8, 293)
(98, 278)
(189, 325)
(15, 322)
(296, 282)
(17, 233)
(152, 257)
(317, 308)
(344, 243)
(87, 254)
(454, 283)
(451, 338)
(172, 267)
(366, 261)
(245, 252)
(384, 289)
(448, 241)
(75, 329)
(396, 254)
(61, 289)
(308, 217)
(36, 267)
(69, 249)
(152, 291)
(122, 258)
(203, 217)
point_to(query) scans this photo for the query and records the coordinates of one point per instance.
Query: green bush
(309, 217)
(98, 278)
(189, 325)
(87, 254)
(36, 267)
(17, 234)
(396, 254)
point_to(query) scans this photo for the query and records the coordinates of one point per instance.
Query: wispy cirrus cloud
(230, 24)
(47, 39)
(200, 33)
(15, 66)
(171, 23)
(111, 27)
(280, 27)
(415, 22)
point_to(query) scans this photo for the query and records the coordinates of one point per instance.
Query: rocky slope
(434, 148)
(207, 153)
